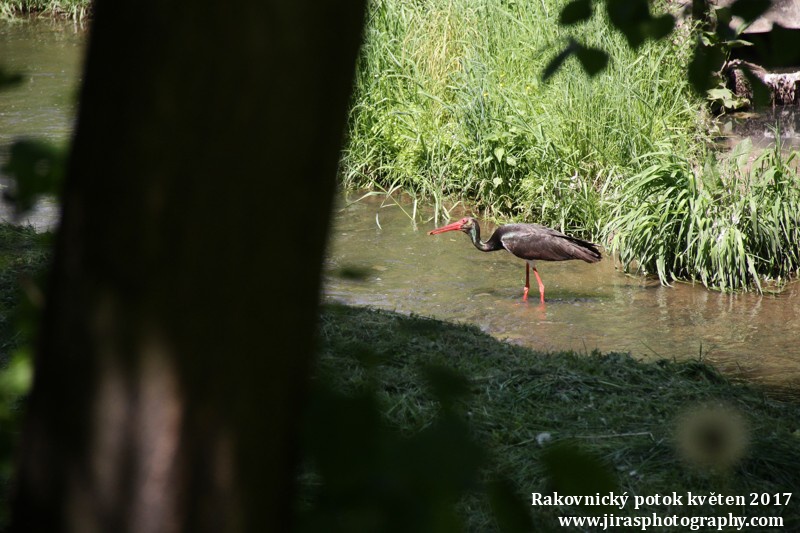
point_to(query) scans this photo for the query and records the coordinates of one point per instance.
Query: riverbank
(450, 108)
(643, 429)
(71, 9)
(440, 411)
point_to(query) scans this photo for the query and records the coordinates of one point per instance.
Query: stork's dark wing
(537, 242)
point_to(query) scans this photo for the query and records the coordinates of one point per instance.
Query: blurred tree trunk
(182, 304)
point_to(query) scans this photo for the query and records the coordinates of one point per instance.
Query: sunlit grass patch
(449, 103)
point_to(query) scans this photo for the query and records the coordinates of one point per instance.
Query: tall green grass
(449, 103)
(449, 107)
(732, 224)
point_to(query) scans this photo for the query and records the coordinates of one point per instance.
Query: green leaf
(738, 43)
(576, 11)
(709, 38)
(16, 378)
(723, 95)
(499, 152)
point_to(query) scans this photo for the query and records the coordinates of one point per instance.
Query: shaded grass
(623, 411)
(24, 255)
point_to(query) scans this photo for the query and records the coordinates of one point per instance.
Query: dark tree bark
(179, 323)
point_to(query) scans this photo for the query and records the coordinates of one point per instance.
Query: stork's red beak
(455, 226)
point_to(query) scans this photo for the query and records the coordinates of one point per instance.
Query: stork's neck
(489, 246)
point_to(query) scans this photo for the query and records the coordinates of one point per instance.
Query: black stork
(530, 242)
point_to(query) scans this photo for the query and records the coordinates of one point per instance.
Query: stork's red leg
(541, 285)
(527, 282)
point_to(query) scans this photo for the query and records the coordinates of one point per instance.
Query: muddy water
(762, 128)
(588, 307)
(48, 55)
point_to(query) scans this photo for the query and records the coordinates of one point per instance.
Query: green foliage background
(449, 101)
(450, 107)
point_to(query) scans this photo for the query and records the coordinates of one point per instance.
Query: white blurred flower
(712, 436)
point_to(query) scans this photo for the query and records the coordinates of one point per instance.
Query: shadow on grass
(466, 452)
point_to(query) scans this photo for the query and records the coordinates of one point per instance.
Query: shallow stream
(588, 306)
(47, 54)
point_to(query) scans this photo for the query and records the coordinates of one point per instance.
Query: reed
(731, 224)
(449, 103)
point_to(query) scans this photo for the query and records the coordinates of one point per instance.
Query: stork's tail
(585, 250)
